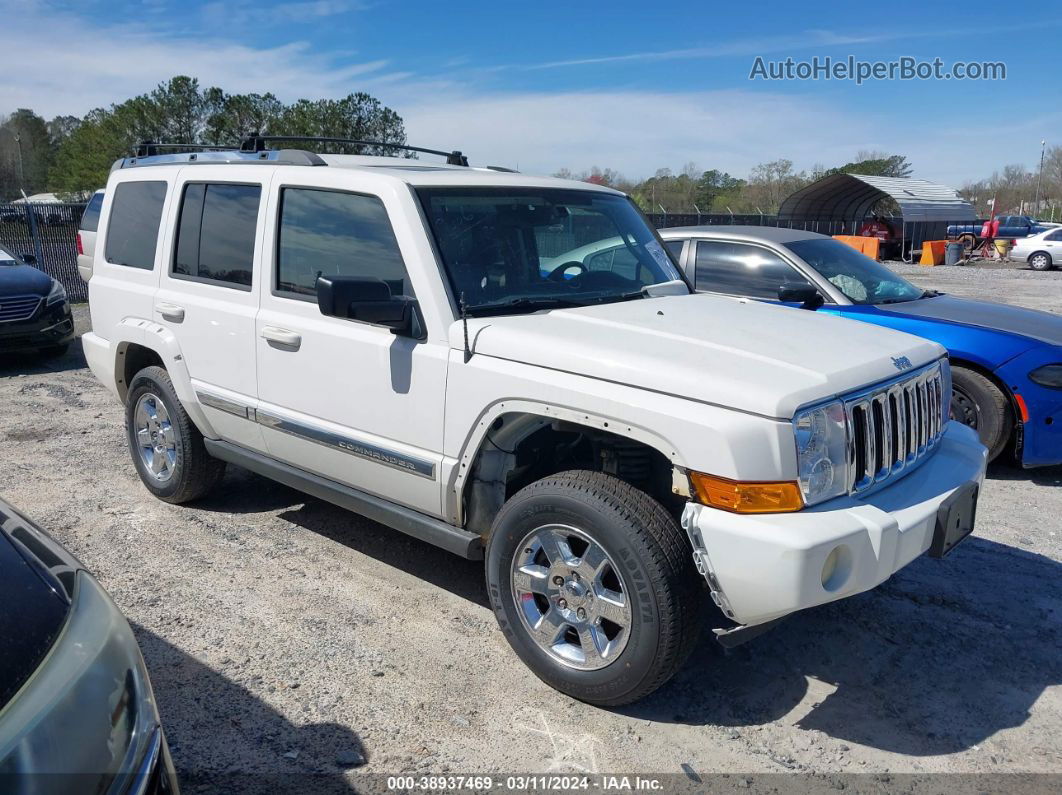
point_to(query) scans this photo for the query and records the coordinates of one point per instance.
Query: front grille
(893, 427)
(22, 307)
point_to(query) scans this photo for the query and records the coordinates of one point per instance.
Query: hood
(23, 280)
(747, 355)
(1042, 326)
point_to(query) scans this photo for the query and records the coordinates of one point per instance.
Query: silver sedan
(1042, 251)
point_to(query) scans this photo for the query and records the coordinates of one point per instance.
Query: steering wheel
(557, 274)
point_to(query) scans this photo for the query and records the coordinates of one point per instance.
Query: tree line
(693, 190)
(72, 156)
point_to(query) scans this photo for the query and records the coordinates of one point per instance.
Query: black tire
(976, 401)
(1040, 261)
(194, 471)
(969, 243)
(648, 550)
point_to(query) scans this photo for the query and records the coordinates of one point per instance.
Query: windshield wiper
(528, 303)
(930, 293)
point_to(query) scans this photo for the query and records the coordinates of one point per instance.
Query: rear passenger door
(206, 295)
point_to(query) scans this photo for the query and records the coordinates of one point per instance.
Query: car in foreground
(77, 713)
(1006, 361)
(34, 310)
(1042, 251)
(86, 235)
(380, 333)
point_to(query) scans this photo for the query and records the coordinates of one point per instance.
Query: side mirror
(367, 300)
(29, 259)
(804, 294)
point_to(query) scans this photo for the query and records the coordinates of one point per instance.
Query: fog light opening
(837, 567)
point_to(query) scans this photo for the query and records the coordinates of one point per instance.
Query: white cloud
(78, 65)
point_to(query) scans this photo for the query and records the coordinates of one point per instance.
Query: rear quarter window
(133, 228)
(90, 219)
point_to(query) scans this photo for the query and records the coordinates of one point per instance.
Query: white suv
(423, 345)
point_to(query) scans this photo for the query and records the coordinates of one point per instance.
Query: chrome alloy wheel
(571, 597)
(155, 439)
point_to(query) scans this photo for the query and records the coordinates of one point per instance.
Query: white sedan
(1042, 251)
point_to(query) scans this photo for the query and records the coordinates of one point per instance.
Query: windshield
(534, 248)
(860, 278)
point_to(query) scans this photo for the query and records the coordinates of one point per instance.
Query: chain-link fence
(47, 232)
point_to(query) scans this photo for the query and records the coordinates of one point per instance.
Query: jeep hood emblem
(902, 363)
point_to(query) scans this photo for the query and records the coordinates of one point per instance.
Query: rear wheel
(977, 402)
(1040, 261)
(167, 448)
(593, 584)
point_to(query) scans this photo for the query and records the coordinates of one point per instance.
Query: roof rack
(151, 148)
(279, 157)
(256, 143)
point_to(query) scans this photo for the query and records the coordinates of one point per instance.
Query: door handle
(170, 312)
(282, 337)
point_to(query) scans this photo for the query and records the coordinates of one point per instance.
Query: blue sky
(629, 85)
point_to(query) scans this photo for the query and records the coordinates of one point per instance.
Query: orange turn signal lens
(746, 497)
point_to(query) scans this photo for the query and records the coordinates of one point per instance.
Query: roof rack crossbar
(256, 143)
(150, 148)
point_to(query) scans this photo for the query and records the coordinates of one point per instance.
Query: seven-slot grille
(18, 308)
(893, 427)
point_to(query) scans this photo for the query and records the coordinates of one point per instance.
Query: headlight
(1050, 375)
(57, 295)
(821, 442)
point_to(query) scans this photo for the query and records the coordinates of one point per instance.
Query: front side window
(522, 249)
(860, 278)
(133, 230)
(741, 269)
(329, 233)
(216, 232)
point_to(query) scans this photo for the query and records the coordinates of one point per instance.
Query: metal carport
(850, 197)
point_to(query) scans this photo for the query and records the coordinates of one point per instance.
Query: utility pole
(1039, 178)
(22, 173)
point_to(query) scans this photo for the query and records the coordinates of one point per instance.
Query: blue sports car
(1006, 361)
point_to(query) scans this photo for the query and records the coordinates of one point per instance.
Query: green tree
(178, 111)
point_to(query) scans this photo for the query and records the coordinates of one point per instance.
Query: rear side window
(215, 234)
(133, 231)
(1054, 236)
(90, 219)
(327, 233)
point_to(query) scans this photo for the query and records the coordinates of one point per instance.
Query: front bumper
(1041, 428)
(763, 567)
(49, 325)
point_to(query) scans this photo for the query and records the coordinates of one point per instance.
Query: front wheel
(978, 402)
(593, 584)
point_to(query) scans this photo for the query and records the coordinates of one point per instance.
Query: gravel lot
(286, 637)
